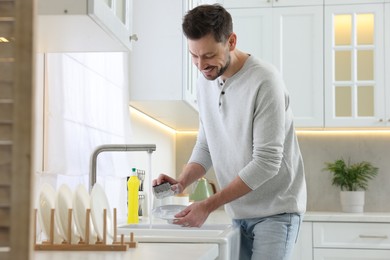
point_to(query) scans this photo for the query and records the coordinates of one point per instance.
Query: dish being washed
(167, 212)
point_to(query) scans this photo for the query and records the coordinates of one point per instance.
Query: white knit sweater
(246, 129)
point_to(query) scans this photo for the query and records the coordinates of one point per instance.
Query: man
(246, 133)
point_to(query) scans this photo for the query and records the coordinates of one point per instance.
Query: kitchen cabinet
(161, 74)
(344, 2)
(355, 90)
(84, 26)
(333, 241)
(268, 3)
(291, 38)
(343, 236)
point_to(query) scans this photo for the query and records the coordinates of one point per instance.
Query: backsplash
(320, 147)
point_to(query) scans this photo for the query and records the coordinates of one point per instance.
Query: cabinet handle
(373, 236)
(133, 37)
(381, 120)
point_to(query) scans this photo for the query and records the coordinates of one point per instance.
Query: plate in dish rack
(81, 202)
(99, 202)
(46, 204)
(63, 202)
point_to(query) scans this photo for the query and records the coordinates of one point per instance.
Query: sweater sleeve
(268, 133)
(200, 153)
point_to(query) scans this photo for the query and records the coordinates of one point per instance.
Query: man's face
(210, 57)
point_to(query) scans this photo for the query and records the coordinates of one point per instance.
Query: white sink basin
(225, 235)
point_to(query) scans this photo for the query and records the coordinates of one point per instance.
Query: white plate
(167, 212)
(81, 202)
(63, 203)
(46, 203)
(99, 202)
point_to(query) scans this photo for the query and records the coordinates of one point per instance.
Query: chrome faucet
(115, 148)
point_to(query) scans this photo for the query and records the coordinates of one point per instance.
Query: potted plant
(353, 182)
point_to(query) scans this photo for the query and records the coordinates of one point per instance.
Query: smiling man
(247, 134)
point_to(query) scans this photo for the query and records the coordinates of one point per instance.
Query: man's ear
(232, 41)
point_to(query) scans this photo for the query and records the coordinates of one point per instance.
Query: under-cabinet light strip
(151, 120)
(319, 131)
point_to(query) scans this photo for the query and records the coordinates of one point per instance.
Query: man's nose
(201, 64)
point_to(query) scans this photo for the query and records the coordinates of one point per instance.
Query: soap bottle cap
(133, 172)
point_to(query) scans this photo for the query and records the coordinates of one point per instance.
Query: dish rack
(83, 245)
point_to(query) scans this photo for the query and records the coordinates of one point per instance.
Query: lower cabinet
(343, 241)
(347, 254)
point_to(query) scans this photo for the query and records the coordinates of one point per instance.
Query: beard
(219, 72)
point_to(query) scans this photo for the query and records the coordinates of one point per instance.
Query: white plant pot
(352, 201)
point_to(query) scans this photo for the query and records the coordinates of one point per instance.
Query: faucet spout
(149, 148)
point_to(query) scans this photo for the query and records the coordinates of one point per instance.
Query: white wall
(73, 117)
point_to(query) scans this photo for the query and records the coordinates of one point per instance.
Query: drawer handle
(371, 236)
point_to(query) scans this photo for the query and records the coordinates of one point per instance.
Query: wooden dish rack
(83, 245)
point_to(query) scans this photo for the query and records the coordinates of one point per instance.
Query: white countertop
(173, 251)
(326, 216)
(144, 251)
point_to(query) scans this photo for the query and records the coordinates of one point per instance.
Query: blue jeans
(268, 238)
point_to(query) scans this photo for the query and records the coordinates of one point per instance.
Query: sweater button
(223, 92)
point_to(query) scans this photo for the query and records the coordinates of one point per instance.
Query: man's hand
(176, 186)
(193, 216)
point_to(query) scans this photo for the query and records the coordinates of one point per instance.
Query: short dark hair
(206, 19)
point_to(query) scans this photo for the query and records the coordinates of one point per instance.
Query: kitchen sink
(225, 235)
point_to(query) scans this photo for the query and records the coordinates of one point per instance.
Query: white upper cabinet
(268, 3)
(298, 54)
(161, 75)
(292, 39)
(84, 25)
(354, 66)
(346, 2)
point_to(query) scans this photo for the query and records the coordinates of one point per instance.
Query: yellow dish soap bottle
(132, 197)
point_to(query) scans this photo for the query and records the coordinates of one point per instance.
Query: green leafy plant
(351, 177)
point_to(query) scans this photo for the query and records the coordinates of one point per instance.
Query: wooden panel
(5, 173)
(5, 154)
(21, 238)
(6, 71)
(4, 236)
(5, 88)
(5, 217)
(6, 51)
(6, 111)
(6, 28)
(5, 196)
(7, 8)
(5, 131)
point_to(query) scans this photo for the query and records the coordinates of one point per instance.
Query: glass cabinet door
(116, 16)
(354, 84)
